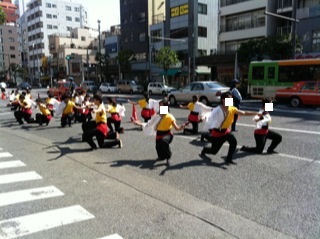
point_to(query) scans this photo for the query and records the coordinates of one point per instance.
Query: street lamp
(99, 49)
(34, 64)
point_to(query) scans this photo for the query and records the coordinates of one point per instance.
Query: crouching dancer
(262, 132)
(99, 128)
(221, 119)
(44, 116)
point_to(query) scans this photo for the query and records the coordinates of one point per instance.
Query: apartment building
(10, 9)
(44, 18)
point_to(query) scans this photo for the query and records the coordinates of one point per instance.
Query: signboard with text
(179, 10)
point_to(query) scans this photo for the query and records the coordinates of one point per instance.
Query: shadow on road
(143, 164)
(65, 151)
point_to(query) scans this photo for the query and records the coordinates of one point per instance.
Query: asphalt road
(263, 196)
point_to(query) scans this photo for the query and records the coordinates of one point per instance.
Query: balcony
(238, 26)
(308, 12)
(284, 30)
(231, 2)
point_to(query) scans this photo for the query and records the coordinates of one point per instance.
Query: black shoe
(243, 148)
(168, 164)
(271, 152)
(202, 138)
(203, 153)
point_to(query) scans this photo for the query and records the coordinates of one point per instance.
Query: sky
(107, 11)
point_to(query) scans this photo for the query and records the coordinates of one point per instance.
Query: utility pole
(34, 64)
(99, 50)
(294, 27)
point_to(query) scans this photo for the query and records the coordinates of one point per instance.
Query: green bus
(265, 77)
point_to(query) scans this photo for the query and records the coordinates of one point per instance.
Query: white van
(159, 88)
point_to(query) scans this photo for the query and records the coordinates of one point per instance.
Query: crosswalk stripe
(27, 195)
(11, 164)
(5, 155)
(113, 236)
(19, 177)
(25, 225)
(1, 148)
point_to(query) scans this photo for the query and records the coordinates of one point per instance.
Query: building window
(77, 19)
(11, 39)
(202, 31)
(156, 35)
(83, 38)
(316, 41)
(131, 36)
(142, 37)
(69, 28)
(245, 21)
(10, 31)
(69, 18)
(68, 8)
(48, 5)
(179, 33)
(202, 8)
(54, 16)
(124, 21)
(77, 9)
(49, 16)
(12, 48)
(142, 17)
(12, 56)
(54, 6)
(49, 26)
(55, 27)
(124, 2)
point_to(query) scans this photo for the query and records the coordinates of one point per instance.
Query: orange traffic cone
(134, 116)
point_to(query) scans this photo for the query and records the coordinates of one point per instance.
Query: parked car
(129, 86)
(89, 86)
(108, 87)
(208, 91)
(159, 88)
(302, 93)
(24, 85)
(61, 87)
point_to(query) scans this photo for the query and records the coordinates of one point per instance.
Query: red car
(302, 93)
(61, 87)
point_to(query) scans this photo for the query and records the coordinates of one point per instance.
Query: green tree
(166, 58)
(103, 62)
(274, 48)
(3, 16)
(16, 70)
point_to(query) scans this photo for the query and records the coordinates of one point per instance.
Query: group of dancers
(158, 121)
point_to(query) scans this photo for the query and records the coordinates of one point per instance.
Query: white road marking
(1, 148)
(28, 195)
(25, 225)
(19, 177)
(5, 155)
(276, 109)
(113, 236)
(11, 164)
(280, 154)
(284, 129)
(5, 113)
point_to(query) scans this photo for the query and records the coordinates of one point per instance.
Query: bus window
(258, 73)
(271, 71)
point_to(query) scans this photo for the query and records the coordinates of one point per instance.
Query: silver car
(108, 87)
(208, 91)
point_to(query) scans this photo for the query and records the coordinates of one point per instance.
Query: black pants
(206, 135)
(217, 142)
(163, 147)
(261, 142)
(19, 115)
(90, 131)
(67, 120)
(195, 128)
(116, 123)
(42, 119)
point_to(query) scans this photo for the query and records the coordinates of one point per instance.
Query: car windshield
(111, 84)
(133, 82)
(213, 85)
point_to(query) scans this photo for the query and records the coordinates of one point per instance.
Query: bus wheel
(295, 102)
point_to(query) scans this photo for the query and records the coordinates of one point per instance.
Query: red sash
(146, 113)
(194, 117)
(115, 116)
(216, 133)
(49, 117)
(161, 134)
(102, 127)
(27, 111)
(50, 107)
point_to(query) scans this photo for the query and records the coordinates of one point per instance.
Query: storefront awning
(171, 72)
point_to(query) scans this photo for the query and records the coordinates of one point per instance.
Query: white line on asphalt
(283, 129)
(11, 164)
(113, 236)
(1, 149)
(280, 154)
(5, 113)
(28, 195)
(5, 155)
(317, 113)
(25, 225)
(19, 177)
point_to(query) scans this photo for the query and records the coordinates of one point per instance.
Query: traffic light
(68, 57)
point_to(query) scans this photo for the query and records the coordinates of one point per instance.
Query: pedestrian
(14, 100)
(147, 112)
(197, 109)
(3, 87)
(51, 103)
(115, 118)
(162, 123)
(236, 100)
(72, 85)
(99, 129)
(86, 113)
(25, 111)
(44, 116)
(262, 132)
(220, 120)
